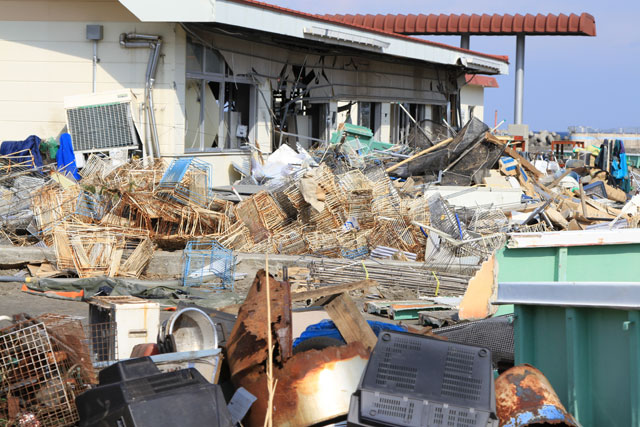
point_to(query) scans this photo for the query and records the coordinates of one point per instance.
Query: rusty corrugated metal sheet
(487, 25)
(524, 397)
(312, 387)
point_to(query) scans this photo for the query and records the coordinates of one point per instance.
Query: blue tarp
(66, 158)
(32, 144)
(327, 328)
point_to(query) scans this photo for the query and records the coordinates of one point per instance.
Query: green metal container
(583, 336)
(609, 255)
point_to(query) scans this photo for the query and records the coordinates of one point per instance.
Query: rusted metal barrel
(525, 397)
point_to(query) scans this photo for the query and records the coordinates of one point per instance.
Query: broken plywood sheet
(476, 302)
(496, 180)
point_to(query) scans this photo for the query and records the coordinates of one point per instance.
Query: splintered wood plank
(349, 321)
(116, 256)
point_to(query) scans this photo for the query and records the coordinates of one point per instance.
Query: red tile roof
(333, 20)
(478, 80)
(488, 25)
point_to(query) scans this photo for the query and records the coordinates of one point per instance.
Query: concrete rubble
(366, 240)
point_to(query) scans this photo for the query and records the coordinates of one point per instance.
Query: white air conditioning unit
(101, 121)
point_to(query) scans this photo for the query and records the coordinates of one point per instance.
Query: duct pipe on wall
(134, 40)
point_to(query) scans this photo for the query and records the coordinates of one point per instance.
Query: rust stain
(247, 343)
(299, 387)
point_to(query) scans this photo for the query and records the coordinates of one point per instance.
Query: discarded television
(134, 393)
(413, 380)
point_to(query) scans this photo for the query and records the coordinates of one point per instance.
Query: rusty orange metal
(312, 387)
(247, 343)
(524, 397)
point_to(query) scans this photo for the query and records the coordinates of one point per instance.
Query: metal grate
(495, 333)
(489, 220)
(90, 206)
(99, 127)
(102, 340)
(32, 389)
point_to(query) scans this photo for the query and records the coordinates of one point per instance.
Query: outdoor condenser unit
(101, 121)
(413, 380)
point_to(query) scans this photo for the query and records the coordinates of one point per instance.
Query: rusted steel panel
(312, 387)
(525, 397)
(247, 344)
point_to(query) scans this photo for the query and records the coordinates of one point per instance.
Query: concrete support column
(464, 41)
(519, 94)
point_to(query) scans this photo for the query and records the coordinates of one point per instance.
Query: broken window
(369, 116)
(219, 106)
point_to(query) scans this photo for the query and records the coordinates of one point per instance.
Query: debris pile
(447, 206)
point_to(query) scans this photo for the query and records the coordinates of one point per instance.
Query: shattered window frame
(227, 85)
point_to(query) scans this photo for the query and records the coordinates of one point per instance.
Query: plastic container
(413, 380)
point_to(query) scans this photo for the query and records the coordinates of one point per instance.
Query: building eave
(269, 18)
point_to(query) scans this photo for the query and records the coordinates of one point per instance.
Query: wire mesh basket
(208, 263)
(187, 180)
(34, 389)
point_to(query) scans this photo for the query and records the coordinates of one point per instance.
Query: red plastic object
(142, 350)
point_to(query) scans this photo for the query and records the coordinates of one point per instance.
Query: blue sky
(588, 81)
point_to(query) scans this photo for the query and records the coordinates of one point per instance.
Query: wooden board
(317, 293)
(513, 153)
(349, 321)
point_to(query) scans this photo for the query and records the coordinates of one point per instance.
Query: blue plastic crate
(207, 263)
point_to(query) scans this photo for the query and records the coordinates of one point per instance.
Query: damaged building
(213, 81)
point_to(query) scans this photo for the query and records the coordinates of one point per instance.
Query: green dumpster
(576, 298)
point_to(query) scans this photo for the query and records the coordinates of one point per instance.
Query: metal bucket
(190, 329)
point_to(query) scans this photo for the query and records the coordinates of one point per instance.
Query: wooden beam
(513, 153)
(558, 179)
(422, 153)
(350, 322)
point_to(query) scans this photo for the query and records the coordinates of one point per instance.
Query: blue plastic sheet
(32, 144)
(327, 328)
(66, 158)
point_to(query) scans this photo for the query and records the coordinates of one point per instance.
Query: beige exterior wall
(42, 62)
(44, 57)
(472, 96)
